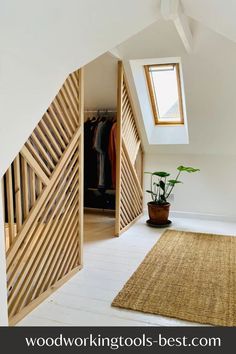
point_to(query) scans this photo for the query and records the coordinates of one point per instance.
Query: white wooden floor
(86, 299)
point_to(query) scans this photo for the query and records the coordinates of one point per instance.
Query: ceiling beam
(115, 53)
(173, 10)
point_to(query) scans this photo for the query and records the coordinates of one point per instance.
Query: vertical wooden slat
(44, 198)
(10, 205)
(32, 187)
(118, 146)
(129, 144)
(3, 248)
(18, 196)
(80, 82)
(25, 187)
(40, 187)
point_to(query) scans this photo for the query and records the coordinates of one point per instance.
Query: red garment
(112, 153)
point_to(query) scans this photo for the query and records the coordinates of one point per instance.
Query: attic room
(117, 177)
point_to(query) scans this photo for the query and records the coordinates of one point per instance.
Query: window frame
(152, 94)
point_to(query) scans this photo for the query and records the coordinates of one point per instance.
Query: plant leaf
(161, 174)
(172, 182)
(148, 191)
(156, 184)
(187, 169)
(162, 185)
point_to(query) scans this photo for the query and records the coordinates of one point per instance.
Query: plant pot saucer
(152, 224)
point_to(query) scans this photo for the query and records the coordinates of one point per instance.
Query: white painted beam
(173, 10)
(115, 53)
(169, 9)
(182, 26)
(3, 277)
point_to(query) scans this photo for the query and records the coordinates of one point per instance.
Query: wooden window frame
(152, 94)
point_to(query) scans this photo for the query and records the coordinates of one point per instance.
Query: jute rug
(186, 275)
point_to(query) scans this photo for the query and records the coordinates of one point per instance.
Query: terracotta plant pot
(158, 213)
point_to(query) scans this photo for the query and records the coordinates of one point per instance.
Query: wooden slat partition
(43, 203)
(129, 191)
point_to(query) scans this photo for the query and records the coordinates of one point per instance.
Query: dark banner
(118, 339)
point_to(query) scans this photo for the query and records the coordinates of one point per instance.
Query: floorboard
(85, 300)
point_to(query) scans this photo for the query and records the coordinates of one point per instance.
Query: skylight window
(165, 93)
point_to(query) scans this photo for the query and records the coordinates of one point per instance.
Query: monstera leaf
(187, 169)
(172, 182)
(161, 190)
(161, 174)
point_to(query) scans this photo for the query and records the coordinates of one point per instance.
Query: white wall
(210, 78)
(216, 14)
(100, 83)
(41, 42)
(210, 191)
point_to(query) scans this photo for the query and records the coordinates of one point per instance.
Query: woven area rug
(186, 275)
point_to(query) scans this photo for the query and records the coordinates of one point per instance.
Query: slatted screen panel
(129, 201)
(43, 203)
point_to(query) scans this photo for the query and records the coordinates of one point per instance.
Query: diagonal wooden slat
(54, 129)
(43, 203)
(48, 134)
(35, 260)
(129, 185)
(56, 121)
(67, 96)
(56, 253)
(33, 163)
(47, 144)
(60, 112)
(39, 231)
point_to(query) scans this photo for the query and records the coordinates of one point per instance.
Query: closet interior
(100, 135)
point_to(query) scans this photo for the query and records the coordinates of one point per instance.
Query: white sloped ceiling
(219, 15)
(41, 42)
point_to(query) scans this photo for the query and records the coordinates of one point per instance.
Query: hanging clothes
(99, 161)
(101, 144)
(90, 155)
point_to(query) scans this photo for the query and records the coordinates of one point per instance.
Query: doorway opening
(100, 137)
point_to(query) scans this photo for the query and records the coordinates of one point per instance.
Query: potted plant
(160, 190)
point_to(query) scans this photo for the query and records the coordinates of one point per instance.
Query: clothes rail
(99, 111)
